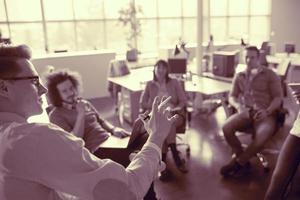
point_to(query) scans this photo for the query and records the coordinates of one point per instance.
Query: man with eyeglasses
(42, 161)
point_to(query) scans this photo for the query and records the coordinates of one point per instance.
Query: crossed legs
(263, 129)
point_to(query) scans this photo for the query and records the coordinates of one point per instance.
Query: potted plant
(128, 17)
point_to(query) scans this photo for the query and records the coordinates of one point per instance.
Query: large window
(49, 25)
(231, 20)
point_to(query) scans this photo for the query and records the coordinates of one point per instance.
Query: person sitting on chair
(74, 114)
(162, 85)
(287, 162)
(257, 95)
(80, 117)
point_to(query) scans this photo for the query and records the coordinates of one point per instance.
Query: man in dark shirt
(257, 95)
(75, 114)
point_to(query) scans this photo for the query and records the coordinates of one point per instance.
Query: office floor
(208, 153)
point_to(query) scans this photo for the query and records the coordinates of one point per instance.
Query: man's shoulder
(44, 128)
(270, 73)
(45, 132)
(59, 112)
(28, 138)
(24, 132)
(239, 75)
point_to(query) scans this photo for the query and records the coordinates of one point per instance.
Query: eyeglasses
(34, 79)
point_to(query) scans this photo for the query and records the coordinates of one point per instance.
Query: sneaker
(165, 176)
(233, 168)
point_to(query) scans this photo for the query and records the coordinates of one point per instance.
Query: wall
(285, 14)
(92, 66)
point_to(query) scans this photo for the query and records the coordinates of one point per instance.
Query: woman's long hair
(165, 65)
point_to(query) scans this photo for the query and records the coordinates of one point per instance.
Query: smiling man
(74, 114)
(42, 161)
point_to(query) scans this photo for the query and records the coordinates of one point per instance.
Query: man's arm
(234, 102)
(66, 166)
(276, 93)
(116, 131)
(234, 94)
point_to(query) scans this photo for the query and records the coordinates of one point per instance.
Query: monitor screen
(177, 65)
(289, 48)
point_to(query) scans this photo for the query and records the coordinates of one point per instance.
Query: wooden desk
(134, 83)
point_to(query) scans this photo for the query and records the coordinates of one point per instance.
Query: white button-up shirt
(43, 162)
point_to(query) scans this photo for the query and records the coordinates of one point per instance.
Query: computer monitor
(224, 63)
(177, 65)
(289, 48)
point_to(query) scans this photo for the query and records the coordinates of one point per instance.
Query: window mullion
(7, 19)
(44, 27)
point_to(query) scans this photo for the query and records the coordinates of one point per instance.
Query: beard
(71, 100)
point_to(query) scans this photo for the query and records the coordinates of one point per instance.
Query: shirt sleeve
(66, 166)
(60, 121)
(275, 85)
(104, 124)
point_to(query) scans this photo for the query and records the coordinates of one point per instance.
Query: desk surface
(136, 81)
(115, 142)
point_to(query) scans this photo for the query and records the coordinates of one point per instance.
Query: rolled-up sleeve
(66, 166)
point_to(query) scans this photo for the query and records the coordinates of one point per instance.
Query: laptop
(119, 149)
(137, 132)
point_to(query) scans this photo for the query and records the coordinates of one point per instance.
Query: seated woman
(287, 162)
(162, 85)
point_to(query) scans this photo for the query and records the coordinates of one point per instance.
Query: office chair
(280, 118)
(116, 68)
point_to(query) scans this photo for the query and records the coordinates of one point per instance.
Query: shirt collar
(261, 69)
(11, 117)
